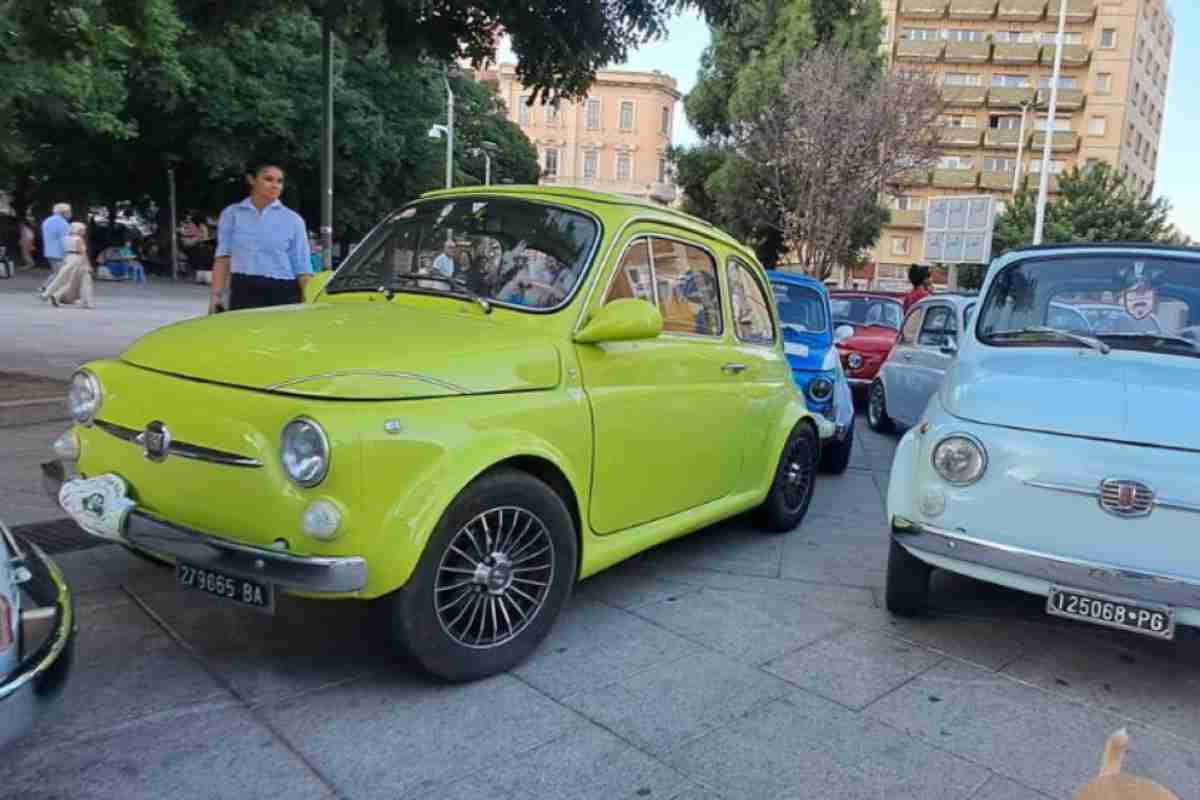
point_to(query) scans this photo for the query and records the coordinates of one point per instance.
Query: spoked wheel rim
(798, 469)
(875, 406)
(494, 577)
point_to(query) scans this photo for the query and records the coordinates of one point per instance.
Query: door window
(680, 278)
(751, 312)
(908, 334)
(939, 327)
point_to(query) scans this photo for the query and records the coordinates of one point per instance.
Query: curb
(15, 413)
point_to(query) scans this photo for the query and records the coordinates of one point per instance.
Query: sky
(1178, 176)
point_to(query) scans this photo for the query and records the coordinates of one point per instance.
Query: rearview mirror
(315, 284)
(842, 332)
(622, 320)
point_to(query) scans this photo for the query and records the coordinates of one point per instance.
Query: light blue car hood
(1141, 398)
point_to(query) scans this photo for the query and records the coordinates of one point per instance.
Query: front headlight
(304, 451)
(960, 459)
(84, 397)
(820, 389)
(854, 361)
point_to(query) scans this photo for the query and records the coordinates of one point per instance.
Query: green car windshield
(507, 251)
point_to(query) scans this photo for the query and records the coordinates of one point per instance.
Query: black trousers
(253, 291)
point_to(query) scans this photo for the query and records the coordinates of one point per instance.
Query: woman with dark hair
(918, 276)
(262, 254)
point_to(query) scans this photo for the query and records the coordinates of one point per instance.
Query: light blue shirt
(54, 232)
(272, 243)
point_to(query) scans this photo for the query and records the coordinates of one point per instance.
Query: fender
(794, 412)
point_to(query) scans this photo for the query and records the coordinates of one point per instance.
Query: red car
(876, 318)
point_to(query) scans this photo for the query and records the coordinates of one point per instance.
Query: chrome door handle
(733, 369)
(906, 356)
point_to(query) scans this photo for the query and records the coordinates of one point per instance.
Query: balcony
(1021, 10)
(1009, 96)
(923, 9)
(1068, 99)
(1077, 10)
(909, 218)
(968, 52)
(1074, 55)
(973, 9)
(956, 178)
(919, 50)
(911, 177)
(1063, 142)
(1033, 182)
(1002, 139)
(964, 96)
(1002, 181)
(960, 137)
(1016, 53)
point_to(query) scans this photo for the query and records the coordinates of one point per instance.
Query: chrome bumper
(1171, 590)
(40, 675)
(166, 540)
(860, 382)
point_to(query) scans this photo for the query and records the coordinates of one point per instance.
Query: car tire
(907, 589)
(795, 477)
(835, 456)
(877, 416)
(463, 627)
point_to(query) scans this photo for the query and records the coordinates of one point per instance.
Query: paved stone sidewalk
(729, 664)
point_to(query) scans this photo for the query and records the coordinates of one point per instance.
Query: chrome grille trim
(1094, 491)
(182, 449)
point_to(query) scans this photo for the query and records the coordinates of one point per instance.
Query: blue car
(808, 340)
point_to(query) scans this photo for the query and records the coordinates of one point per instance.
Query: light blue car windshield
(801, 308)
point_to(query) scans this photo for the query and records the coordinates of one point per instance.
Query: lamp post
(1025, 105)
(437, 131)
(1040, 223)
(486, 149)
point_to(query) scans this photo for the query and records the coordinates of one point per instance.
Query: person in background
(918, 276)
(54, 233)
(445, 263)
(27, 238)
(315, 256)
(73, 281)
(262, 252)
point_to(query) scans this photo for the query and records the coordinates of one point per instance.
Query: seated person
(542, 284)
(126, 254)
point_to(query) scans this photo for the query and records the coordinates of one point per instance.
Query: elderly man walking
(54, 233)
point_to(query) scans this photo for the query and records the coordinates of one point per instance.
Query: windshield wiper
(1156, 337)
(458, 283)
(1041, 330)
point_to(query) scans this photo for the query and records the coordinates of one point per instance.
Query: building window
(551, 162)
(1068, 38)
(1063, 82)
(1097, 126)
(1005, 123)
(1108, 38)
(1014, 37)
(921, 34)
(900, 245)
(1091, 164)
(665, 127)
(590, 163)
(963, 79)
(551, 115)
(908, 203)
(624, 167)
(954, 162)
(964, 35)
(885, 33)
(959, 121)
(1011, 81)
(523, 110)
(999, 164)
(1103, 83)
(593, 115)
(626, 115)
(1060, 124)
(1056, 166)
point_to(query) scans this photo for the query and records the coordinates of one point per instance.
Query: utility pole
(327, 140)
(1040, 223)
(449, 131)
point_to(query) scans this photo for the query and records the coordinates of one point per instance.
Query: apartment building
(995, 62)
(616, 140)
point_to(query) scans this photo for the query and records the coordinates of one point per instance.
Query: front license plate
(1113, 612)
(244, 592)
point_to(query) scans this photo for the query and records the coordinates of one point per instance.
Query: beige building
(995, 60)
(614, 141)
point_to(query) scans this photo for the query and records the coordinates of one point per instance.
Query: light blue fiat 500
(1064, 463)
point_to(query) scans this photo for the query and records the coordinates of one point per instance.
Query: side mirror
(622, 320)
(315, 284)
(949, 347)
(842, 332)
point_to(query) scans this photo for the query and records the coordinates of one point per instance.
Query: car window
(679, 278)
(938, 328)
(800, 307)
(751, 312)
(912, 324)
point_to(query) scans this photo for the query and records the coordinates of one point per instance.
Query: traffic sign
(958, 230)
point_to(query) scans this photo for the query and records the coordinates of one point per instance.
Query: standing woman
(262, 248)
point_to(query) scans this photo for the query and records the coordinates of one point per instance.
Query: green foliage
(1092, 205)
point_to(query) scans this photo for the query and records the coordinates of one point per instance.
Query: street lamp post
(449, 131)
(1040, 223)
(327, 142)
(1021, 145)
(486, 149)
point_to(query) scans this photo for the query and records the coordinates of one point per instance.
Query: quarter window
(939, 328)
(908, 334)
(681, 279)
(751, 312)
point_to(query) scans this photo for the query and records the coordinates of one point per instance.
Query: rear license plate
(242, 591)
(1113, 612)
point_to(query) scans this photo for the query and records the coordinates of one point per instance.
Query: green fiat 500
(500, 392)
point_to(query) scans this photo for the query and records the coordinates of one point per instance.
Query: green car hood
(354, 351)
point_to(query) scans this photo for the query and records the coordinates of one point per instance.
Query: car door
(898, 372)
(665, 410)
(936, 346)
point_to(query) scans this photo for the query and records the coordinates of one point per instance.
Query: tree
(741, 74)
(827, 144)
(1092, 205)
